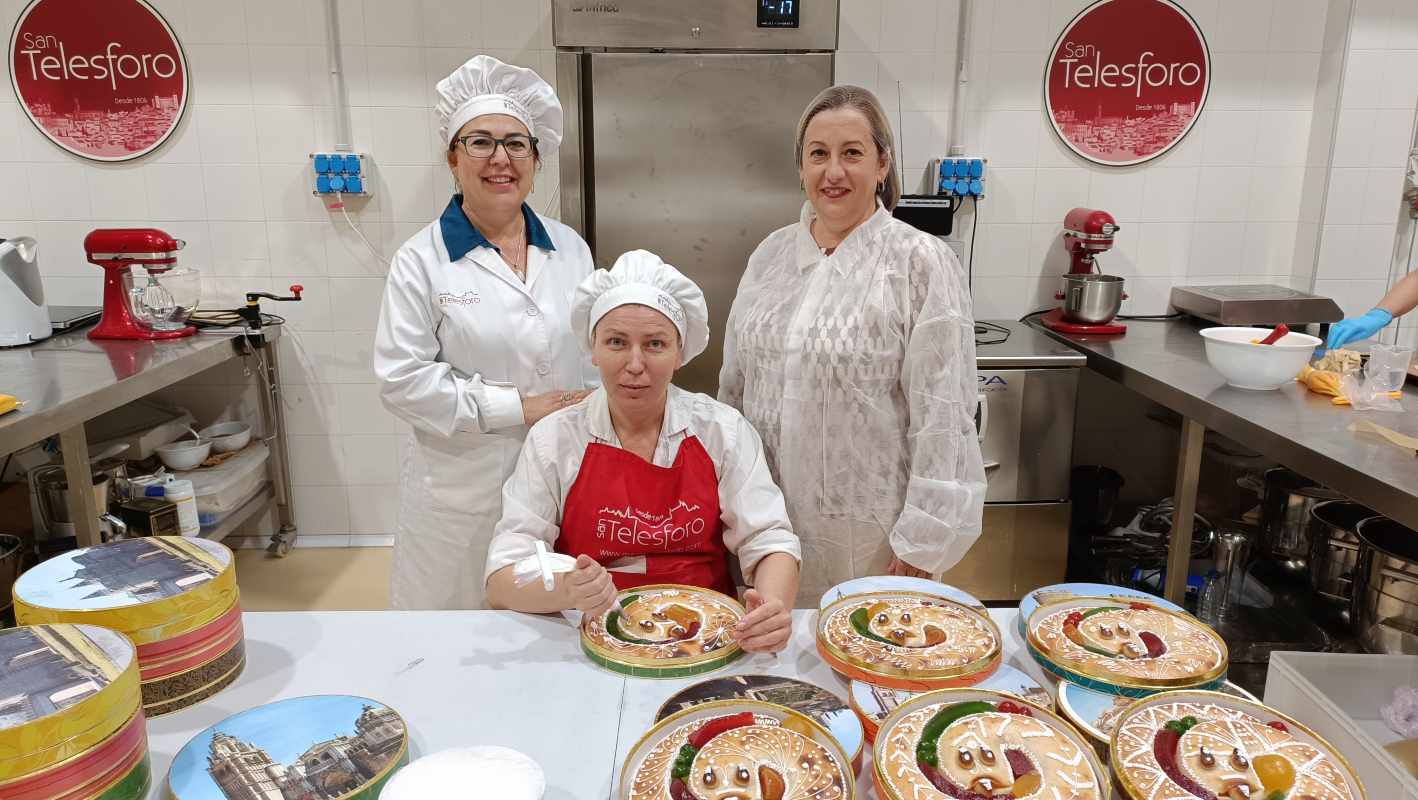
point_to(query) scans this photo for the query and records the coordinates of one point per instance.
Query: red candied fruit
(1139, 606)
(1007, 707)
(1073, 619)
(1279, 726)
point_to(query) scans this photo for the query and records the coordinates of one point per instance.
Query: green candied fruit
(613, 628)
(859, 622)
(930, 734)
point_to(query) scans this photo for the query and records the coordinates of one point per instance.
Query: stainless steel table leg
(1184, 509)
(272, 412)
(82, 508)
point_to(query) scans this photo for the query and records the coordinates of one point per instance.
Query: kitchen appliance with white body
(679, 132)
(1028, 393)
(24, 318)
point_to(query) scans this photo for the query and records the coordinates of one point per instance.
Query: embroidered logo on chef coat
(467, 298)
(632, 526)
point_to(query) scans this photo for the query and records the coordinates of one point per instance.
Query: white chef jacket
(858, 370)
(750, 505)
(460, 340)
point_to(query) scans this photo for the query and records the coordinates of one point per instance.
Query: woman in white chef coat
(473, 344)
(644, 482)
(850, 348)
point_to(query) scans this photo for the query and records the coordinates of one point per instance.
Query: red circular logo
(1126, 80)
(103, 79)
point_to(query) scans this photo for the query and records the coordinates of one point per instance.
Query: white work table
(484, 677)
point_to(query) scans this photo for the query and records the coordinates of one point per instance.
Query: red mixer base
(1054, 321)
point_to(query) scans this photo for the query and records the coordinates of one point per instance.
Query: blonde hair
(855, 97)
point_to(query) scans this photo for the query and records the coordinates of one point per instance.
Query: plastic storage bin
(1338, 695)
(224, 488)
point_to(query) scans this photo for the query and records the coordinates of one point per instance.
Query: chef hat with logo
(642, 278)
(485, 85)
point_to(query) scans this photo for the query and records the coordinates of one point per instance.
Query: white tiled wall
(1226, 205)
(1366, 235)
(1237, 201)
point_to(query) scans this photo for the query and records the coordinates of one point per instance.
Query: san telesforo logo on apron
(103, 79)
(1126, 80)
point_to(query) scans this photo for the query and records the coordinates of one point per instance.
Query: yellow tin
(151, 589)
(65, 689)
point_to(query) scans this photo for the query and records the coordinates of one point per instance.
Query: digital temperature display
(778, 13)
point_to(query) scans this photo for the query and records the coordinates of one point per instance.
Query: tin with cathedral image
(322, 747)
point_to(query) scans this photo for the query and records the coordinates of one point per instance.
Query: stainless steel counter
(69, 379)
(1165, 361)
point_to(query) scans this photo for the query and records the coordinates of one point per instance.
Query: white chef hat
(495, 772)
(484, 85)
(642, 278)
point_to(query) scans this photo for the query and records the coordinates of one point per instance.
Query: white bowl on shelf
(185, 453)
(1245, 365)
(227, 437)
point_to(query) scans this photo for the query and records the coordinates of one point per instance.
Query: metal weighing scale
(1255, 304)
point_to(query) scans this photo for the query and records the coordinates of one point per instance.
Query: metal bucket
(1285, 516)
(12, 552)
(1334, 548)
(1385, 607)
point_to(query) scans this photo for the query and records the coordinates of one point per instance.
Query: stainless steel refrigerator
(680, 118)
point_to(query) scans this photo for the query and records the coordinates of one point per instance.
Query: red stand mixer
(1090, 299)
(131, 310)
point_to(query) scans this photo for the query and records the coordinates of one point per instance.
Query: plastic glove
(1357, 328)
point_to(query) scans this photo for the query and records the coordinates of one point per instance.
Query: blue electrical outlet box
(346, 174)
(961, 176)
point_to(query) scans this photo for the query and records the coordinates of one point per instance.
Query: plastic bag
(1383, 377)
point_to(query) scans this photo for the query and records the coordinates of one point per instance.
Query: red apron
(621, 505)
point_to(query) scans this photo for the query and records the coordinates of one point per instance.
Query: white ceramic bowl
(227, 436)
(185, 454)
(1255, 366)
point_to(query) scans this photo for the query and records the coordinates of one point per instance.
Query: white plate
(896, 583)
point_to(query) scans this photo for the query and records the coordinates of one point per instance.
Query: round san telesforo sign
(1126, 80)
(103, 79)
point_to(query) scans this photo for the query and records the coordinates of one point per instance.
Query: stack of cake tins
(71, 716)
(174, 597)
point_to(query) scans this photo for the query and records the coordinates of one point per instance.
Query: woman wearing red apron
(644, 482)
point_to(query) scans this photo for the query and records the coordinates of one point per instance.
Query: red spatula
(1276, 335)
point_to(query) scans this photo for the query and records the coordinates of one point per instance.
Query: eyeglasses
(482, 145)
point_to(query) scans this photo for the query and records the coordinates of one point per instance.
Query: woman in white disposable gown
(851, 349)
(474, 343)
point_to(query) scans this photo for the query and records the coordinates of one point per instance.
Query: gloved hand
(1357, 328)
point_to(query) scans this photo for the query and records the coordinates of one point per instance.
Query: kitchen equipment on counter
(24, 318)
(1090, 300)
(1334, 548)
(1254, 304)
(140, 308)
(227, 437)
(1287, 500)
(669, 108)
(150, 516)
(1385, 607)
(63, 318)
(1247, 365)
(49, 502)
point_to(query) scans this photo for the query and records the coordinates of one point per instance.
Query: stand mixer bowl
(1092, 299)
(163, 300)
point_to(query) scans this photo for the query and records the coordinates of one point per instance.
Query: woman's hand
(899, 567)
(536, 406)
(590, 587)
(766, 627)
